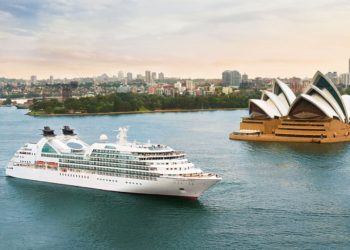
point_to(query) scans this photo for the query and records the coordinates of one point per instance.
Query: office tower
(51, 80)
(120, 75)
(148, 76)
(333, 76)
(154, 76)
(129, 76)
(231, 78)
(161, 76)
(33, 79)
(244, 78)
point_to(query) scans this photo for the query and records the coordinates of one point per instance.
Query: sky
(183, 38)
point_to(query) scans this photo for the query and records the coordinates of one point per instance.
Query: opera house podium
(319, 115)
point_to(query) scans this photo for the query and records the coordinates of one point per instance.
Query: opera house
(319, 115)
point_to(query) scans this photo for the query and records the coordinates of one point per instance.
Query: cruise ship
(121, 166)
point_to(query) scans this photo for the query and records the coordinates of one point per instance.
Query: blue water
(272, 195)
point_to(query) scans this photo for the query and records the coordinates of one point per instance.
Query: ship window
(48, 149)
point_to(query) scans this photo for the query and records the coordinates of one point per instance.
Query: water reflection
(298, 148)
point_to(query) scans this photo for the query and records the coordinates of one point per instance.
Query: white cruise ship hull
(191, 187)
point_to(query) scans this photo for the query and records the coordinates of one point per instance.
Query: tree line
(124, 102)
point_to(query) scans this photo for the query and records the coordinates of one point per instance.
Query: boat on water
(121, 166)
(22, 106)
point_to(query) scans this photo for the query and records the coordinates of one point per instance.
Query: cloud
(186, 37)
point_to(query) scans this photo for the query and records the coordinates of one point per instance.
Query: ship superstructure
(121, 166)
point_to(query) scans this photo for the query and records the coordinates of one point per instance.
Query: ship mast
(122, 136)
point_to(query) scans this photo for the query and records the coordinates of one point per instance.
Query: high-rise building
(51, 80)
(333, 76)
(231, 78)
(344, 79)
(161, 76)
(154, 76)
(148, 78)
(120, 75)
(244, 78)
(139, 77)
(129, 76)
(33, 79)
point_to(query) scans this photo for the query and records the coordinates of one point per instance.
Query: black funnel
(47, 131)
(67, 130)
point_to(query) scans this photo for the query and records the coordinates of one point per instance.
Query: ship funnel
(47, 131)
(68, 131)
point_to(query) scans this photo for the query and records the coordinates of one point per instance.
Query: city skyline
(188, 39)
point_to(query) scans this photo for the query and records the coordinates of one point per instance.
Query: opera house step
(306, 128)
(300, 133)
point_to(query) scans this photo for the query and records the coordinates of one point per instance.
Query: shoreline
(133, 112)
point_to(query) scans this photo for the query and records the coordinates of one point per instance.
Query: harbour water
(272, 196)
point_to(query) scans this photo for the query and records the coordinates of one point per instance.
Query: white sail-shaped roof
(326, 95)
(280, 105)
(277, 102)
(322, 99)
(346, 101)
(268, 107)
(323, 83)
(319, 102)
(282, 88)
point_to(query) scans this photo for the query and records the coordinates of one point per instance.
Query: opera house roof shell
(321, 100)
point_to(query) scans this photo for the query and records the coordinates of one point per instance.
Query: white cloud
(192, 37)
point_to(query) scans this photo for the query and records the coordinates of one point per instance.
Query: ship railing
(199, 175)
(177, 153)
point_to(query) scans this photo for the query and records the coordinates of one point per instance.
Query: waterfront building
(231, 78)
(318, 115)
(227, 90)
(211, 90)
(190, 85)
(178, 87)
(169, 90)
